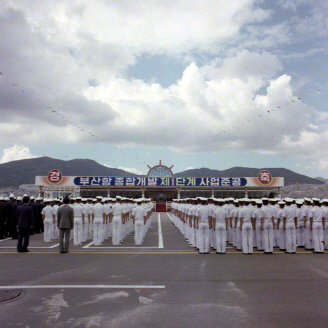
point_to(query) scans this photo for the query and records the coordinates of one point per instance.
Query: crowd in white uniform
(247, 223)
(101, 218)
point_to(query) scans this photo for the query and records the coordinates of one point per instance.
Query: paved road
(163, 283)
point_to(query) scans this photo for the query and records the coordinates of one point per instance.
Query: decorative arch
(160, 171)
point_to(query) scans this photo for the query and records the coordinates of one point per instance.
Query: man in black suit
(65, 223)
(24, 222)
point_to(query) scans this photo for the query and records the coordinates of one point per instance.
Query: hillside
(322, 179)
(24, 171)
(290, 176)
(20, 172)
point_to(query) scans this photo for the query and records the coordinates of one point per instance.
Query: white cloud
(131, 170)
(69, 60)
(17, 152)
(189, 168)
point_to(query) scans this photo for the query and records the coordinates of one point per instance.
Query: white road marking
(5, 239)
(87, 246)
(84, 286)
(169, 216)
(53, 246)
(28, 247)
(120, 247)
(160, 236)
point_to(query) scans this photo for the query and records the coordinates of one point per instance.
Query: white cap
(247, 200)
(219, 200)
(316, 199)
(265, 198)
(281, 203)
(32, 197)
(11, 196)
(99, 197)
(1, 198)
(288, 200)
(20, 198)
(258, 201)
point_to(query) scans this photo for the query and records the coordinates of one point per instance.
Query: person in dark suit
(24, 222)
(38, 206)
(65, 223)
(18, 203)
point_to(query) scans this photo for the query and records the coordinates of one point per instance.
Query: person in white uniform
(275, 209)
(86, 220)
(56, 207)
(118, 212)
(306, 218)
(280, 227)
(139, 217)
(79, 212)
(237, 225)
(203, 227)
(48, 218)
(98, 213)
(220, 226)
(247, 226)
(290, 225)
(317, 223)
(267, 226)
(258, 224)
(300, 231)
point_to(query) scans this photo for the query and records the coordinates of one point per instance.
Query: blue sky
(196, 84)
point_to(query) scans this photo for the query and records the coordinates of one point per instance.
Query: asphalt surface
(163, 283)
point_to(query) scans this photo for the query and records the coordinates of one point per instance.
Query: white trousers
(221, 237)
(317, 237)
(48, 230)
(259, 241)
(204, 237)
(238, 237)
(281, 240)
(116, 230)
(300, 234)
(78, 231)
(267, 236)
(138, 232)
(247, 237)
(97, 231)
(85, 230)
(290, 237)
(308, 236)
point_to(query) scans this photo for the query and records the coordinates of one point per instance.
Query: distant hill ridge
(290, 176)
(15, 173)
(24, 171)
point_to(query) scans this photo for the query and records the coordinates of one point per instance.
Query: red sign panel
(55, 176)
(265, 177)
